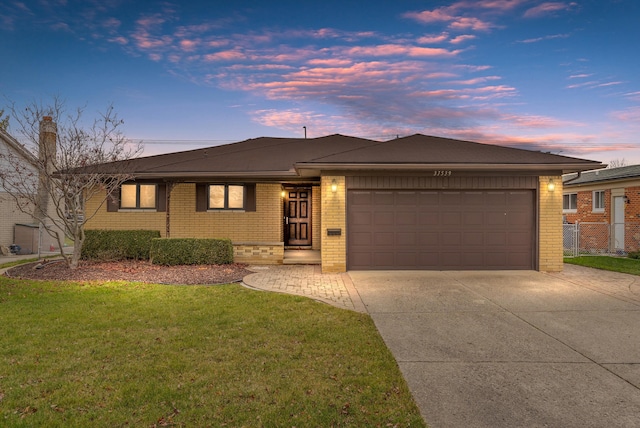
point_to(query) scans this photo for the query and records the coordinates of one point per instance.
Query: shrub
(191, 251)
(634, 255)
(107, 245)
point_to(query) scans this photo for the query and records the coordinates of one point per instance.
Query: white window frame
(226, 197)
(599, 202)
(570, 209)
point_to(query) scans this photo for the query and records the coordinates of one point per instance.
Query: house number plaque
(441, 173)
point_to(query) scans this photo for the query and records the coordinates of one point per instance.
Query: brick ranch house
(417, 202)
(610, 196)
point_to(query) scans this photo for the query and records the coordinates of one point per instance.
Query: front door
(297, 216)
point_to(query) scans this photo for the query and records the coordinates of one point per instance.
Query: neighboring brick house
(610, 196)
(417, 202)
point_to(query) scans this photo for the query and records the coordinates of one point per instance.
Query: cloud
(630, 115)
(543, 38)
(462, 38)
(394, 50)
(466, 14)
(580, 76)
(433, 39)
(548, 8)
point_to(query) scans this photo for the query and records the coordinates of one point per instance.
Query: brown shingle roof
(286, 157)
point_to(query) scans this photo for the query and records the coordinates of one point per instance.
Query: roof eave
(564, 167)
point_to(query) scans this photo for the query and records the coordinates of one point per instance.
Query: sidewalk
(306, 280)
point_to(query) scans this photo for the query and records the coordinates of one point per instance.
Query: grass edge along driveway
(615, 264)
(116, 354)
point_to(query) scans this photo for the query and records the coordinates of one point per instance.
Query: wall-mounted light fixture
(334, 186)
(551, 186)
(282, 194)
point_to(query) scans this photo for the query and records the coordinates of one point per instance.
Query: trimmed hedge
(191, 251)
(118, 244)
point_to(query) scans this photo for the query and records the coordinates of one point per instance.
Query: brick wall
(263, 225)
(585, 208)
(550, 225)
(259, 253)
(334, 248)
(632, 208)
(121, 220)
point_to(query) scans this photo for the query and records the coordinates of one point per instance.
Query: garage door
(440, 230)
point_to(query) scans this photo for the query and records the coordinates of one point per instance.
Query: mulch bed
(132, 270)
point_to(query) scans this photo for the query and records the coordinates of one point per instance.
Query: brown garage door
(440, 230)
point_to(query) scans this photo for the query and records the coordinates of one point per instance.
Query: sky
(556, 76)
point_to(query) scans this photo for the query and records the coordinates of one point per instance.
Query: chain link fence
(600, 238)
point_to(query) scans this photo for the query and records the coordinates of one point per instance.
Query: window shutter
(250, 197)
(201, 197)
(113, 201)
(161, 196)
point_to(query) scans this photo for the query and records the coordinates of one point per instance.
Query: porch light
(334, 186)
(282, 194)
(551, 186)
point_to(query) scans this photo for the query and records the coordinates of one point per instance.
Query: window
(598, 201)
(138, 196)
(226, 197)
(570, 202)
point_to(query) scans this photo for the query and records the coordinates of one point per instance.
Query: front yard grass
(616, 264)
(133, 354)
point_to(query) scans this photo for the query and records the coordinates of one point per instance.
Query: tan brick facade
(550, 225)
(258, 236)
(250, 228)
(334, 210)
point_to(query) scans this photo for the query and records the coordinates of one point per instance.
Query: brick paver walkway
(307, 280)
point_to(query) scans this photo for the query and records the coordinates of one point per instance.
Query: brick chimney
(46, 157)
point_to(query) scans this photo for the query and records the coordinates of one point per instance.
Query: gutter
(443, 166)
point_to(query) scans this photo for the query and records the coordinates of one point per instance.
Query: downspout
(573, 179)
(168, 209)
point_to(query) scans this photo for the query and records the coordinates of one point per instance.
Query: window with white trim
(570, 203)
(226, 197)
(598, 201)
(138, 196)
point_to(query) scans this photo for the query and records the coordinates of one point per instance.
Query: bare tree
(55, 186)
(617, 163)
(4, 121)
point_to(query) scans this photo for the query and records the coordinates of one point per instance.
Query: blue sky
(557, 76)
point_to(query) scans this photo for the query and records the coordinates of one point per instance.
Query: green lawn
(616, 264)
(132, 354)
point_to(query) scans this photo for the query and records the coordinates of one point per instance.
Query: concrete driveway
(513, 348)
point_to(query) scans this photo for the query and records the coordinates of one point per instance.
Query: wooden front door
(297, 216)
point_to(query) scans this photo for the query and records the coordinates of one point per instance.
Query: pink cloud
(547, 8)
(188, 45)
(462, 38)
(465, 23)
(535, 122)
(631, 115)
(476, 80)
(224, 56)
(119, 40)
(390, 50)
(439, 38)
(331, 62)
